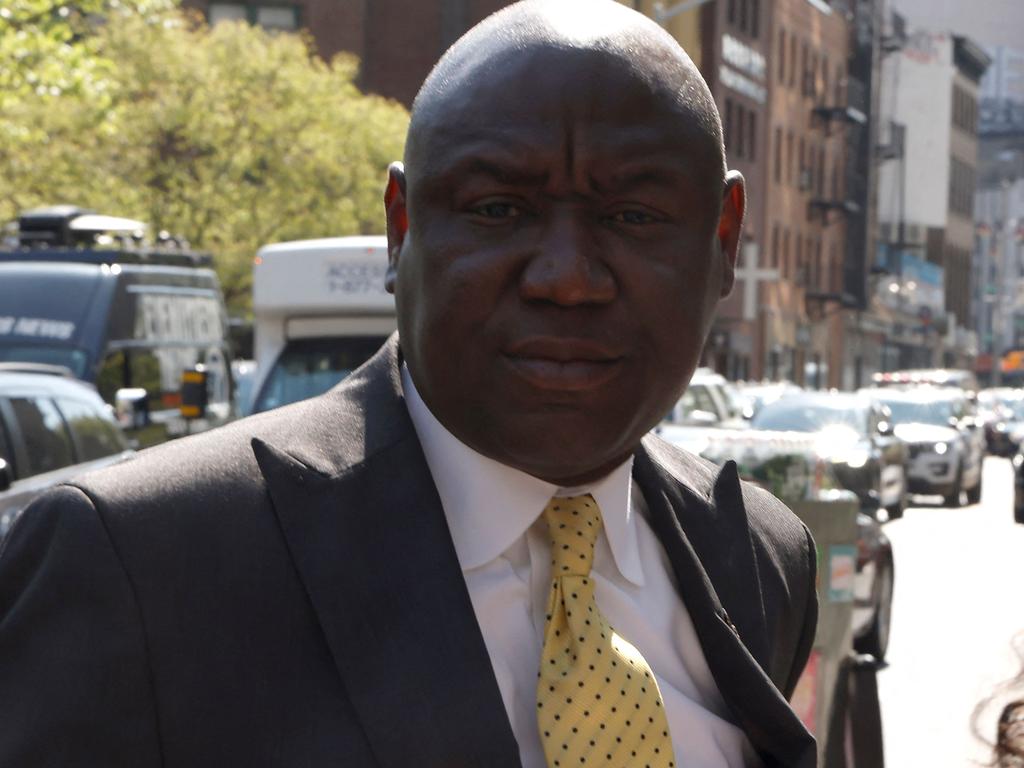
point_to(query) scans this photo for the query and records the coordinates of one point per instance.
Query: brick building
(813, 102)
(737, 47)
(397, 41)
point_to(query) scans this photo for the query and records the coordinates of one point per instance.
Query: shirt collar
(489, 505)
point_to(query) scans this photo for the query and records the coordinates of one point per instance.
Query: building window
(741, 138)
(728, 127)
(821, 171)
(777, 170)
(803, 69)
(785, 254)
(775, 246)
(819, 272)
(227, 12)
(789, 157)
(835, 272)
(752, 136)
(812, 163)
(802, 167)
(782, 56)
(812, 77)
(282, 17)
(732, 12)
(792, 60)
(800, 257)
(755, 18)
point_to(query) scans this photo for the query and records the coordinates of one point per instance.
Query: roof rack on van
(40, 368)
(72, 234)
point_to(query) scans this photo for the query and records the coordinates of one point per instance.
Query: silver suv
(945, 439)
(51, 428)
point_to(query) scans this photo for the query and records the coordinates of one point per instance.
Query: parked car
(129, 315)
(856, 435)
(1001, 411)
(946, 440)
(872, 589)
(51, 427)
(932, 377)
(758, 394)
(1018, 488)
(791, 466)
(709, 401)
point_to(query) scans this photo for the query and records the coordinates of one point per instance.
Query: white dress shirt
(494, 515)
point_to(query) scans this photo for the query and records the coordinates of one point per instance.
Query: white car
(946, 442)
(709, 401)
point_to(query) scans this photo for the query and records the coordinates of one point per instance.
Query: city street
(956, 611)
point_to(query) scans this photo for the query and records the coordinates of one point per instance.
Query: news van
(320, 311)
(129, 314)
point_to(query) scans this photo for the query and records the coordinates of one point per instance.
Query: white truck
(319, 311)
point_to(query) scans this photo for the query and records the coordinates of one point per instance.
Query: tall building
(730, 43)
(930, 110)
(989, 22)
(999, 216)
(814, 103)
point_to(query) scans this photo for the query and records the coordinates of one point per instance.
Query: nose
(568, 267)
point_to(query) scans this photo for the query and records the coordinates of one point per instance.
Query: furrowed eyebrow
(494, 169)
(645, 177)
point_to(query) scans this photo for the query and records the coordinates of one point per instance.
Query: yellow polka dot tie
(597, 700)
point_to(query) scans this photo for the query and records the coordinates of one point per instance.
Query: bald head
(560, 235)
(601, 30)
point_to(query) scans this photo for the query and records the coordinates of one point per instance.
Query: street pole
(985, 300)
(999, 329)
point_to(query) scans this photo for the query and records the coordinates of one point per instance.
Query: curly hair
(1009, 749)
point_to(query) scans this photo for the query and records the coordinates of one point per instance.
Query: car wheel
(952, 499)
(974, 494)
(876, 640)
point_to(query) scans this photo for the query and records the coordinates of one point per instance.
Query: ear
(730, 226)
(397, 220)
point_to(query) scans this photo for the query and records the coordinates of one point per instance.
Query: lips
(563, 364)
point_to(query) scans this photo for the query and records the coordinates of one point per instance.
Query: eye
(496, 210)
(632, 216)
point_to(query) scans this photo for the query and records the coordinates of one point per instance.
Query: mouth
(563, 364)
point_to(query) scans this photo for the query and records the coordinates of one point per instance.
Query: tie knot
(573, 524)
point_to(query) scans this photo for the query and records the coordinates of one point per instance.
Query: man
(374, 577)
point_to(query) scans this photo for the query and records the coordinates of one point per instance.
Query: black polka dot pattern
(597, 700)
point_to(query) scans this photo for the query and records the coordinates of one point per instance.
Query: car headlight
(941, 448)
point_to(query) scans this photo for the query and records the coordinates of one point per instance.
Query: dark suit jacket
(284, 592)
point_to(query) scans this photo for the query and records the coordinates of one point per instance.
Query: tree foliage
(231, 137)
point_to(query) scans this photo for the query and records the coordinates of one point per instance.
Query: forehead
(531, 107)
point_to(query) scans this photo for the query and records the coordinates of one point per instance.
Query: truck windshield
(70, 357)
(309, 367)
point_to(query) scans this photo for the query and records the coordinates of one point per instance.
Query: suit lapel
(704, 531)
(370, 542)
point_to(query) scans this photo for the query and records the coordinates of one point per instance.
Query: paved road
(958, 604)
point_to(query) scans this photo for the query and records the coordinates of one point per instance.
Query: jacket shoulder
(766, 514)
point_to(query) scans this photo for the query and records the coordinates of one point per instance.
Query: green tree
(47, 47)
(231, 137)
